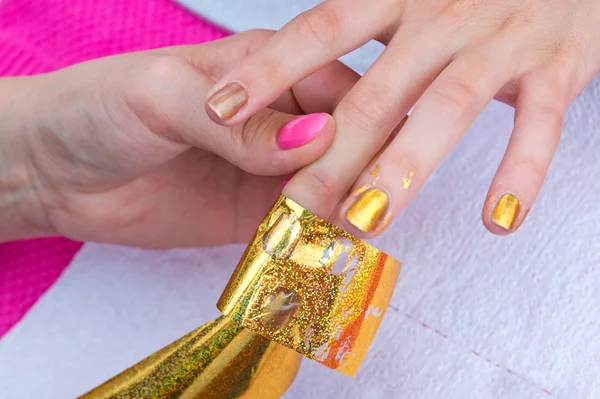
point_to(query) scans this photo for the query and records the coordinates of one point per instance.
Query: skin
(446, 58)
(120, 150)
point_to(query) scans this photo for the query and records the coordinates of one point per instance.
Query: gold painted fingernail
(368, 210)
(506, 211)
(226, 102)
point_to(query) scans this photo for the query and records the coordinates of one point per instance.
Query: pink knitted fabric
(44, 35)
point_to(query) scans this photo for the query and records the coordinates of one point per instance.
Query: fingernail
(227, 102)
(506, 211)
(368, 210)
(301, 131)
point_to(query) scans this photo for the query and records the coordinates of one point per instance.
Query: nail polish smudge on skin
(490, 200)
(287, 180)
(361, 190)
(375, 171)
(506, 211)
(374, 178)
(368, 210)
(407, 180)
(228, 101)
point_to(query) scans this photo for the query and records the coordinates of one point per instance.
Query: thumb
(168, 93)
(273, 143)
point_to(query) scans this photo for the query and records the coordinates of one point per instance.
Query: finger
(538, 124)
(218, 57)
(308, 42)
(366, 117)
(374, 170)
(319, 92)
(141, 80)
(439, 120)
(258, 146)
(168, 97)
(323, 90)
(335, 80)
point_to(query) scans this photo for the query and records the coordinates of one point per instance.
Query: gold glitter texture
(312, 287)
(407, 180)
(368, 210)
(218, 360)
(375, 171)
(506, 211)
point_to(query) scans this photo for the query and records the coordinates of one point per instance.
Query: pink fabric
(27, 270)
(45, 35)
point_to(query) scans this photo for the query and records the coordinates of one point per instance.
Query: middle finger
(368, 114)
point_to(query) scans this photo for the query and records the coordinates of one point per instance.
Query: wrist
(22, 214)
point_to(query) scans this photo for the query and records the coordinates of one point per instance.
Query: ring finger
(538, 124)
(438, 121)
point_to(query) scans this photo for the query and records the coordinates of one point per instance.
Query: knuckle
(320, 183)
(456, 94)
(260, 35)
(244, 141)
(550, 117)
(370, 108)
(532, 166)
(560, 50)
(163, 66)
(258, 38)
(407, 163)
(460, 9)
(479, 62)
(320, 26)
(153, 92)
(268, 69)
(518, 19)
(262, 123)
(454, 15)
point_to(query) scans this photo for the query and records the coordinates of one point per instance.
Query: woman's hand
(120, 149)
(454, 57)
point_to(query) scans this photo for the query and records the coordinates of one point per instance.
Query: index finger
(310, 41)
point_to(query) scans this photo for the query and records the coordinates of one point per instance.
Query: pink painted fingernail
(301, 131)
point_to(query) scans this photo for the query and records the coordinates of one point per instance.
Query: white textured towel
(474, 316)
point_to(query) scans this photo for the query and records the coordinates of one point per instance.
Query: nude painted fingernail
(301, 131)
(368, 210)
(506, 211)
(228, 101)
